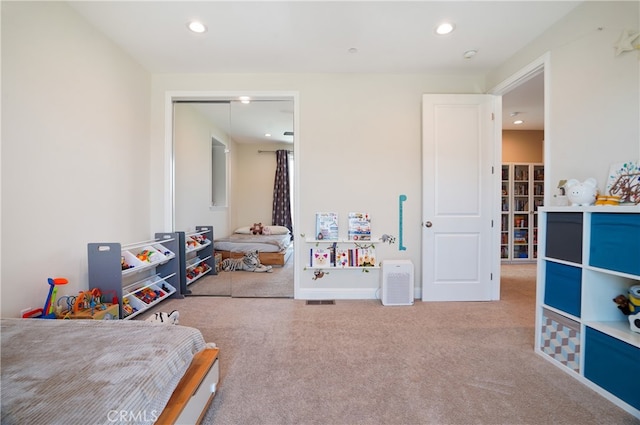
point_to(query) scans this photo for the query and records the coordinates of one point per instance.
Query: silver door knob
(428, 224)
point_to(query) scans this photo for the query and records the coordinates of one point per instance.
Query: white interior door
(459, 252)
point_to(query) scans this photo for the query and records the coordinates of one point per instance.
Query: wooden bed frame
(195, 391)
(266, 258)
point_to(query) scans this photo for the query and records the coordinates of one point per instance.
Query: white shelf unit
(151, 274)
(343, 241)
(588, 256)
(522, 195)
(196, 256)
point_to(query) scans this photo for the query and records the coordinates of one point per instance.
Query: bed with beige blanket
(274, 248)
(104, 372)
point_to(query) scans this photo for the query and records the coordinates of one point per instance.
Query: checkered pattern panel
(561, 340)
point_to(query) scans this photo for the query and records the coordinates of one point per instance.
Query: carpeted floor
(357, 362)
(277, 284)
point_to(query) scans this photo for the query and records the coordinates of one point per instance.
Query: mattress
(243, 243)
(91, 371)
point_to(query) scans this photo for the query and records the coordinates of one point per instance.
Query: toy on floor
(165, 318)
(48, 312)
(250, 262)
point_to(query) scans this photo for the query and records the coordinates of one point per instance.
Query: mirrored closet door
(225, 160)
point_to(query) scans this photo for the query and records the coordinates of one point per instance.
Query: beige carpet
(358, 362)
(277, 284)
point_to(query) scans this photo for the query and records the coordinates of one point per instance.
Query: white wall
(595, 95)
(360, 148)
(253, 183)
(523, 146)
(75, 149)
(193, 134)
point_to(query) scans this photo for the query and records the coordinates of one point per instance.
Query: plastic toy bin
(613, 365)
(564, 236)
(562, 289)
(615, 242)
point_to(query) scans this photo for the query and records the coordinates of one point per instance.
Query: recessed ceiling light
(444, 28)
(267, 134)
(245, 99)
(197, 27)
(518, 122)
(469, 54)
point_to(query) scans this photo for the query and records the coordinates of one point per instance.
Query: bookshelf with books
(342, 254)
(330, 251)
(522, 195)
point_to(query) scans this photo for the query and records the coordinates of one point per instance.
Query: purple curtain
(281, 215)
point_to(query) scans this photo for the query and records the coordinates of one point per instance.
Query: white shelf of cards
(360, 255)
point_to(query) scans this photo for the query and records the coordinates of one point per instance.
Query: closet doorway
(212, 132)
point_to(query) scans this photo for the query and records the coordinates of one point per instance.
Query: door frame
(540, 65)
(169, 152)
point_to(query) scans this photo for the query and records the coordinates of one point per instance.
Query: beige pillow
(276, 230)
(273, 230)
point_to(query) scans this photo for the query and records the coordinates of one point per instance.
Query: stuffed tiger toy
(250, 263)
(166, 318)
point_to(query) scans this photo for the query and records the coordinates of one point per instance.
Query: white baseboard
(345, 294)
(338, 294)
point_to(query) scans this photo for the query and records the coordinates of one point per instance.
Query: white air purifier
(397, 282)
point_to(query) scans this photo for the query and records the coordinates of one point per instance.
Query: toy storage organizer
(196, 256)
(588, 256)
(141, 274)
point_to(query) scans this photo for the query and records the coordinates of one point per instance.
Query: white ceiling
(248, 123)
(527, 101)
(316, 36)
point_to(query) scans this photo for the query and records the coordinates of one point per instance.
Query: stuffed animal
(581, 193)
(250, 262)
(631, 307)
(165, 318)
(257, 228)
(623, 304)
(634, 322)
(634, 299)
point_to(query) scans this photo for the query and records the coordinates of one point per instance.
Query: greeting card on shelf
(320, 258)
(327, 226)
(359, 226)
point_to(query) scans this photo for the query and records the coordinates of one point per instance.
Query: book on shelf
(327, 226)
(342, 257)
(520, 236)
(355, 257)
(359, 226)
(320, 258)
(366, 257)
